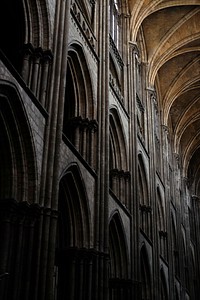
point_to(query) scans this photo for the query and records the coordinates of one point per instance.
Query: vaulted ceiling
(168, 35)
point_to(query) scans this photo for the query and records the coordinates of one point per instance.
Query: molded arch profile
(161, 211)
(164, 285)
(145, 273)
(78, 69)
(118, 248)
(142, 182)
(79, 95)
(26, 22)
(176, 293)
(174, 231)
(18, 176)
(118, 148)
(74, 219)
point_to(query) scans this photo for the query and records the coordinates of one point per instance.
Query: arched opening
(175, 246)
(161, 225)
(12, 31)
(73, 261)
(176, 293)
(164, 289)
(18, 196)
(18, 177)
(142, 182)
(119, 175)
(79, 125)
(120, 287)
(143, 194)
(145, 274)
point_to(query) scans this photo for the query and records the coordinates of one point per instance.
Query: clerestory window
(114, 21)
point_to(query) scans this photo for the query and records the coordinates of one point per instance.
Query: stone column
(47, 60)
(28, 51)
(36, 69)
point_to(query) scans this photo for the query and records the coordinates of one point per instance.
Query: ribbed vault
(168, 36)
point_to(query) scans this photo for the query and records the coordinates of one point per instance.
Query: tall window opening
(12, 31)
(114, 21)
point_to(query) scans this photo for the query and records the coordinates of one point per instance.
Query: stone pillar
(36, 57)
(28, 51)
(196, 213)
(93, 126)
(46, 63)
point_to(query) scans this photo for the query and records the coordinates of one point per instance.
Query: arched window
(161, 225)
(119, 175)
(79, 125)
(143, 194)
(114, 21)
(145, 274)
(164, 288)
(73, 258)
(12, 31)
(175, 246)
(120, 287)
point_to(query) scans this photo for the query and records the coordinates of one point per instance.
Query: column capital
(152, 95)
(165, 129)
(177, 157)
(195, 198)
(47, 55)
(134, 48)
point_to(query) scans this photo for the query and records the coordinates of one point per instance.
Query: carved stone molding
(115, 52)
(145, 208)
(195, 198)
(83, 23)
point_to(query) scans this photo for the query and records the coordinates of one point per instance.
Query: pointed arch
(118, 159)
(79, 122)
(118, 149)
(175, 245)
(161, 221)
(176, 293)
(145, 274)
(12, 17)
(27, 22)
(142, 182)
(18, 171)
(73, 254)
(81, 91)
(38, 27)
(120, 287)
(118, 248)
(164, 286)
(161, 211)
(74, 220)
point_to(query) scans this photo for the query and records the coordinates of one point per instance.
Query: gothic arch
(118, 248)
(38, 29)
(118, 151)
(74, 211)
(161, 221)
(79, 75)
(73, 258)
(118, 160)
(144, 201)
(145, 274)
(164, 288)
(79, 123)
(142, 182)
(176, 293)
(18, 177)
(119, 283)
(26, 22)
(161, 211)
(175, 245)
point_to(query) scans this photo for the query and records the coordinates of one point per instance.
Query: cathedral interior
(99, 149)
